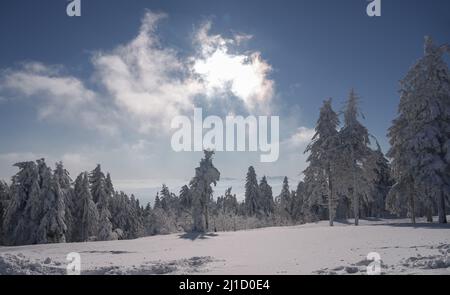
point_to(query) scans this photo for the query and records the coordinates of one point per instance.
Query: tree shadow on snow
(197, 235)
(417, 225)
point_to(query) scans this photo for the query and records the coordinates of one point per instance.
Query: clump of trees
(46, 206)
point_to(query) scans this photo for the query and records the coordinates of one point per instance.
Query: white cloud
(57, 95)
(146, 79)
(243, 74)
(142, 84)
(300, 138)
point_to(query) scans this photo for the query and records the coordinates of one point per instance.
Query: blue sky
(306, 51)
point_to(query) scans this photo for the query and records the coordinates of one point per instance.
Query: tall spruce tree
(284, 200)
(357, 162)
(19, 225)
(65, 183)
(266, 196)
(185, 198)
(52, 227)
(87, 217)
(322, 171)
(382, 184)
(4, 200)
(252, 194)
(420, 136)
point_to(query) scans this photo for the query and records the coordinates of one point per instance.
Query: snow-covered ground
(305, 249)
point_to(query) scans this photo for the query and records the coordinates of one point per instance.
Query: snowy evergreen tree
(65, 183)
(284, 200)
(128, 217)
(21, 220)
(109, 186)
(357, 162)
(98, 184)
(382, 184)
(87, 217)
(205, 175)
(185, 197)
(52, 227)
(169, 201)
(105, 228)
(4, 201)
(298, 202)
(266, 197)
(157, 203)
(420, 136)
(101, 191)
(252, 196)
(230, 203)
(323, 168)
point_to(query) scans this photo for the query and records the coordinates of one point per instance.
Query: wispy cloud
(142, 84)
(146, 79)
(56, 95)
(300, 138)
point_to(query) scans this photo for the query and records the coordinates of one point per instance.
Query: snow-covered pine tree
(97, 183)
(128, 216)
(109, 186)
(19, 225)
(136, 218)
(382, 184)
(298, 201)
(105, 228)
(205, 175)
(420, 135)
(65, 183)
(4, 200)
(87, 217)
(157, 203)
(101, 195)
(168, 200)
(230, 203)
(185, 198)
(357, 162)
(52, 227)
(322, 171)
(284, 201)
(266, 196)
(252, 195)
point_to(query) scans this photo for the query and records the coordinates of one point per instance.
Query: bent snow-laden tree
(322, 169)
(200, 187)
(420, 135)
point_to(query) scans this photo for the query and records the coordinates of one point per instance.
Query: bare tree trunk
(356, 207)
(430, 214)
(413, 209)
(441, 210)
(355, 196)
(206, 218)
(330, 198)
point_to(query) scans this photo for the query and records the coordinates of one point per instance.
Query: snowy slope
(306, 249)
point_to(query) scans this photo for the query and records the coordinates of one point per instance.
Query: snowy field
(305, 249)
